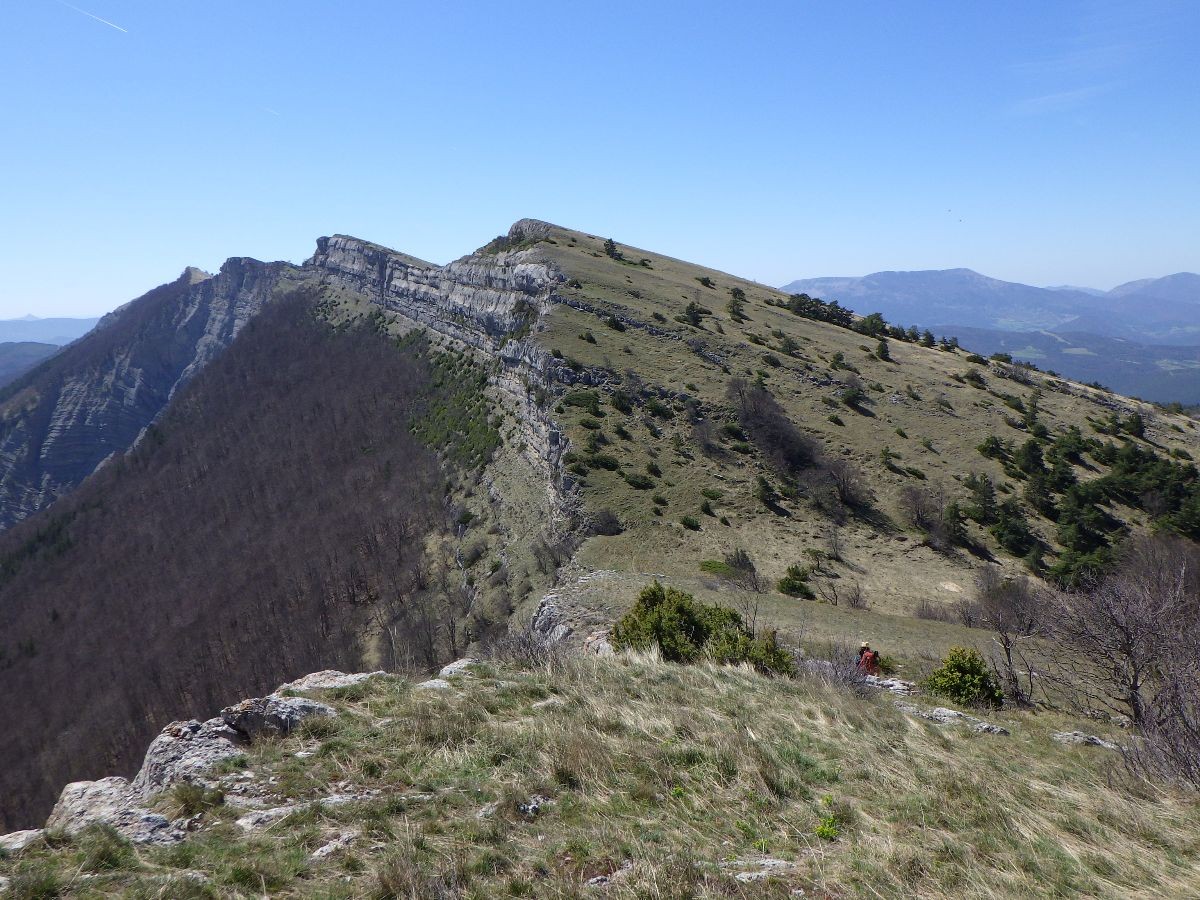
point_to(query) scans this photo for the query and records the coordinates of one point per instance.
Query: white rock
(943, 716)
(598, 643)
(547, 620)
(433, 684)
(111, 801)
(549, 703)
(759, 869)
(460, 667)
(613, 877)
(341, 842)
(1083, 739)
(894, 685)
(19, 840)
(185, 751)
(261, 818)
(324, 680)
(534, 805)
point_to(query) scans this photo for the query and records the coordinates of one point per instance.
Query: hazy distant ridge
(44, 331)
(1153, 310)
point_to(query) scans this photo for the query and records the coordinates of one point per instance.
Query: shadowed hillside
(64, 418)
(244, 541)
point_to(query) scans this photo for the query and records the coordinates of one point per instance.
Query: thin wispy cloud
(1096, 57)
(1059, 101)
(97, 18)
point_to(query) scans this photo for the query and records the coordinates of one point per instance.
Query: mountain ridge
(628, 413)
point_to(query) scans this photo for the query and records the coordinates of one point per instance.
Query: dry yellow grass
(669, 778)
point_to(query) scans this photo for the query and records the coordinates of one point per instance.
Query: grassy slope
(671, 770)
(895, 570)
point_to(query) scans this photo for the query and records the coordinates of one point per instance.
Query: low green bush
(795, 583)
(964, 677)
(686, 631)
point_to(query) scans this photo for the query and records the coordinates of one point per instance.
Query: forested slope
(246, 539)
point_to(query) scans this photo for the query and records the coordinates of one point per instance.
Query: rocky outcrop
(95, 399)
(19, 840)
(1083, 739)
(272, 715)
(326, 680)
(943, 716)
(187, 752)
(111, 801)
(488, 302)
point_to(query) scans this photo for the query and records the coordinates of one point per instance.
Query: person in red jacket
(868, 660)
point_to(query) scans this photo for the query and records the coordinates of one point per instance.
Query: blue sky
(1047, 143)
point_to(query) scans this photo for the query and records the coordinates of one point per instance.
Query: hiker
(868, 660)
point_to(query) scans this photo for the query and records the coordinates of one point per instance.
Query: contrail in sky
(90, 16)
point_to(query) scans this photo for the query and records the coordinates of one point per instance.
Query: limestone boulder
(461, 668)
(1083, 739)
(273, 715)
(19, 840)
(943, 716)
(326, 680)
(111, 801)
(185, 751)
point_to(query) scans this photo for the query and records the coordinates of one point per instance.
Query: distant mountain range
(44, 331)
(1140, 338)
(17, 358)
(27, 341)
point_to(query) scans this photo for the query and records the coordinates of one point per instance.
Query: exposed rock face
(484, 301)
(185, 751)
(95, 399)
(329, 678)
(110, 801)
(548, 621)
(61, 421)
(272, 715)
(19, 840)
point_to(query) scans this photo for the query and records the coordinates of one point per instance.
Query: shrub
(637, 481)
(621, 402)
(691, 523)
(685, 631)
(605, 521)
(604, 461)
(964, 677)
(795, 583)
(658, 409)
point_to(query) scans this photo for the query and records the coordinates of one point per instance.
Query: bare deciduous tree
(1121, 640)
(1012, 609)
